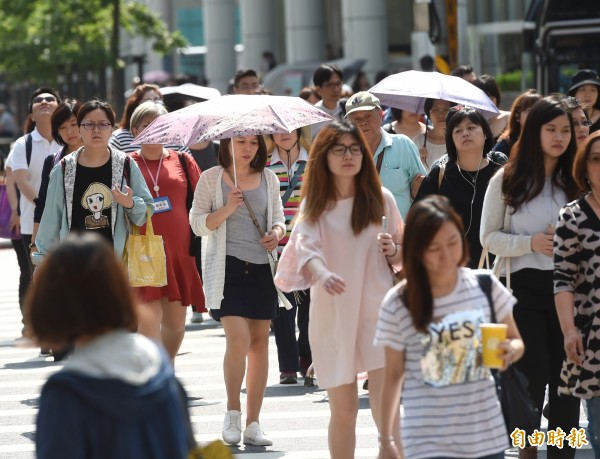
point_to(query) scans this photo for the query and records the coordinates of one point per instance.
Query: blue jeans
(593, 430)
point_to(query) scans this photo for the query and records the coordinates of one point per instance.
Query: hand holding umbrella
(235, 199)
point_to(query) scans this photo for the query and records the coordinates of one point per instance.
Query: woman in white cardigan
(237, 259)
(520, 211)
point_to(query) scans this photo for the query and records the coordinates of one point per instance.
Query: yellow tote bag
(213, 450)
(144, 257)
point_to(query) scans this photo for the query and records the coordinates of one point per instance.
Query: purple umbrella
(231, 116)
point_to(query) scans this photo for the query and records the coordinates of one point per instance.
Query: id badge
(162, 204)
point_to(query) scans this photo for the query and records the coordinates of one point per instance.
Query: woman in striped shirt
(430, 322)
(288, 155)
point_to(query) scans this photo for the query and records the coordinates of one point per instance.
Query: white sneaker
(197, 318)
(253, 435)
(232, 427)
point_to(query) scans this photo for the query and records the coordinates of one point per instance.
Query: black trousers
(537, 320)
(289, 349)
(24, 266)
(198, 258)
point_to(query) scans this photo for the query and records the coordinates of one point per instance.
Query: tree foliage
(41, 39)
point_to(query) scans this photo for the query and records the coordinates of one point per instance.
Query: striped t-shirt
(459, 420)
(290, 209)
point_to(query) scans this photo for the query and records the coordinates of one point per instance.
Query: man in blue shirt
(396, 156)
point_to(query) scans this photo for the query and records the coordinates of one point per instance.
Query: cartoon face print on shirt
(96, 198)
(452, 350)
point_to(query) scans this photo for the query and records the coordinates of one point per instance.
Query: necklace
(289, 159)
(152, 177)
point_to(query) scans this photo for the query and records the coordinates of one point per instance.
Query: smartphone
(384, 224)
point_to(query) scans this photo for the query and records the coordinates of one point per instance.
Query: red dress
(183, 280)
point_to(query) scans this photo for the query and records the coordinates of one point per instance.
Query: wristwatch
(32, 246)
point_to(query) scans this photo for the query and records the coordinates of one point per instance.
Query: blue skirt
(249, 291)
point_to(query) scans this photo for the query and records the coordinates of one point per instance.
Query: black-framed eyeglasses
(340, 150)
(102, 126)
(582, 123)
(40, 99)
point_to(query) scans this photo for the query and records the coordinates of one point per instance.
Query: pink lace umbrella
(231, 116)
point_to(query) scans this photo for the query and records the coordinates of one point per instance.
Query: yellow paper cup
(491, 336)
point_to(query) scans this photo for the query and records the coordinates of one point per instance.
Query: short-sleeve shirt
(400, 164)
(456, 420)
(40, 149)
(92, 200)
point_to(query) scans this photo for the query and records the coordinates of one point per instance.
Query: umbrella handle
(233, 159)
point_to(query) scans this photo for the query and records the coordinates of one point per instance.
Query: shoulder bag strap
(485, 283)
(249, 207)
(190, 193)
(380, 161)
(292, 183)
(261, 233)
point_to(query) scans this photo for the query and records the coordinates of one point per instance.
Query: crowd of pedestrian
(309, 230)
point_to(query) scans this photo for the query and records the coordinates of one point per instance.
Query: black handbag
(511, 384)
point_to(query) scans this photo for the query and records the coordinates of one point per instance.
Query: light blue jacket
(56, 220)
(401, 162)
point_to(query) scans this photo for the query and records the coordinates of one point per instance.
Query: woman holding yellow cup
(429, 326)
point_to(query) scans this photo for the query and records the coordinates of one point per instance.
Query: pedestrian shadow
(29, 436)
(31, 364)
(289, 390)
(33, 402)
(208, 324)
(256, 449)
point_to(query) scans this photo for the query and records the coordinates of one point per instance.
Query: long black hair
(524, 174)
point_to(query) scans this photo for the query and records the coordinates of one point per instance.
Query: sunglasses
(40, 99)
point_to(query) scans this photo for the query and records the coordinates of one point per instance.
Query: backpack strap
(485, 283)
(28, 148)
(292, 183)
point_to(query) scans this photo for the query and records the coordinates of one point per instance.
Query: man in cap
(396, 156)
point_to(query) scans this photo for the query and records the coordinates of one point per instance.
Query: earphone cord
(289, 160)
(474, 185)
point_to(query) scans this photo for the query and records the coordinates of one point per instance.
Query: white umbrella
(190, 90)
(409, 90)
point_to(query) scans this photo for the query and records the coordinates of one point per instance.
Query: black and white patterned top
(577, 270)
